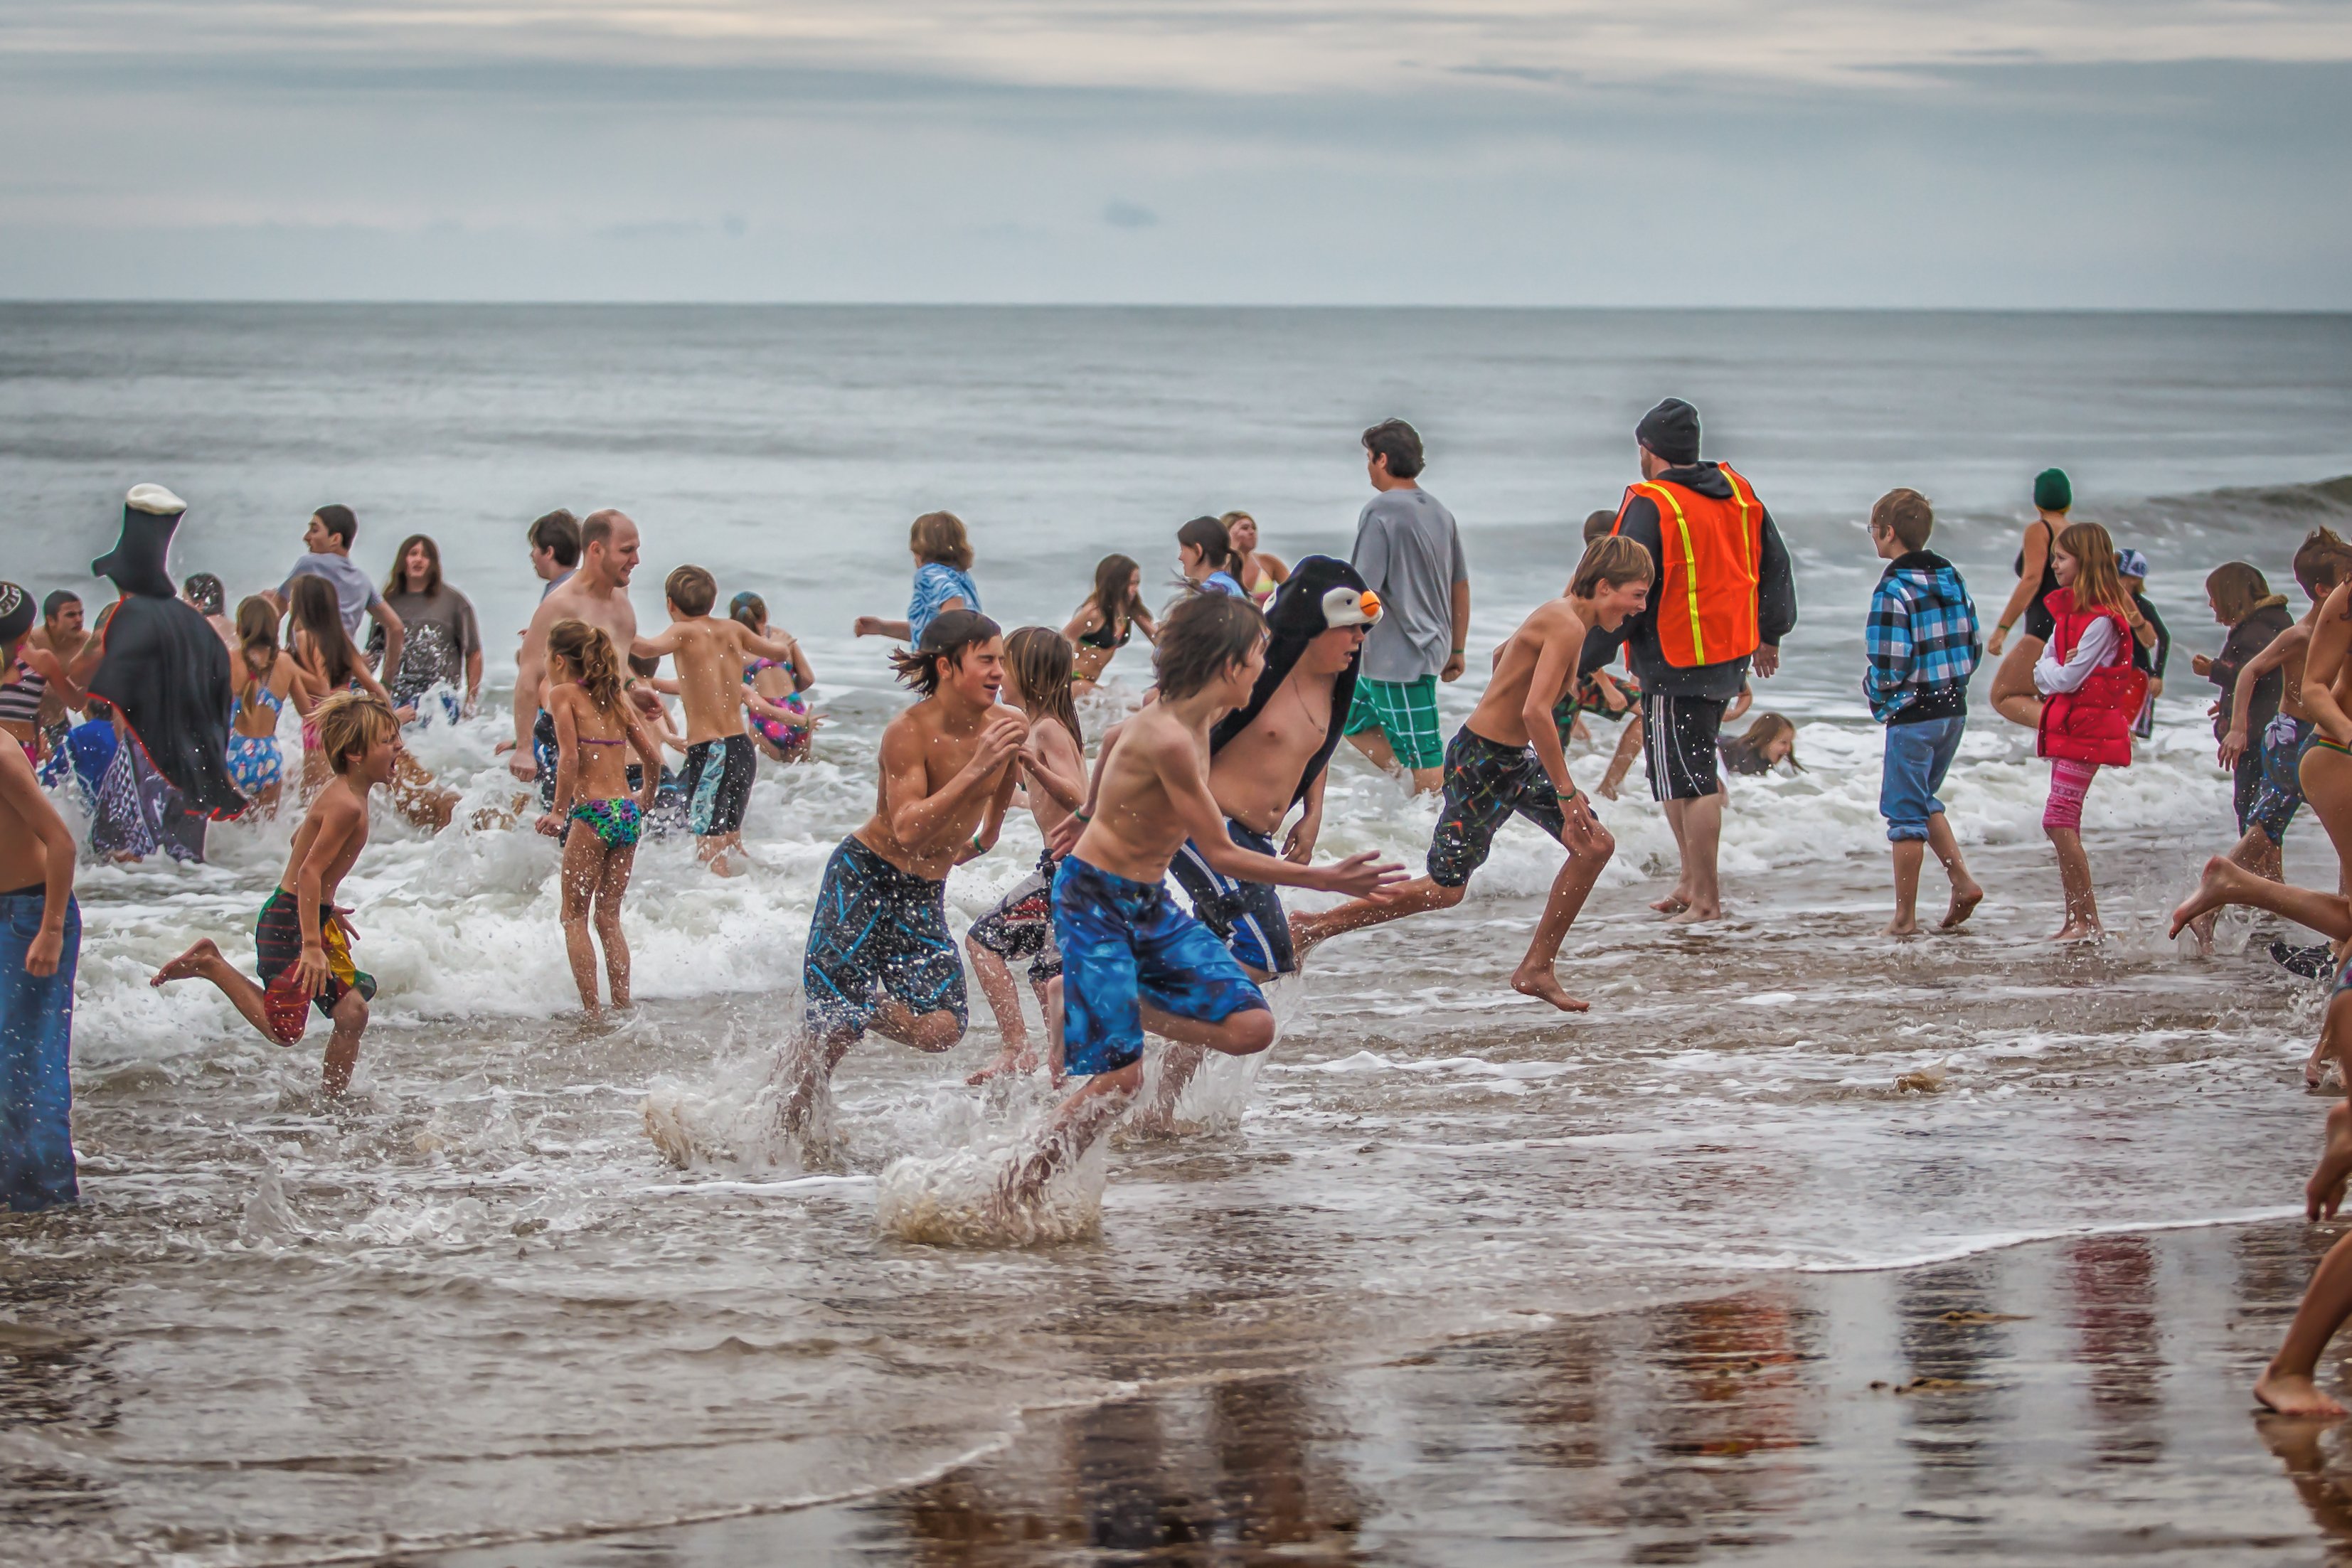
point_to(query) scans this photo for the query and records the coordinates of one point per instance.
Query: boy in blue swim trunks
(1132, 959)
(878, 955)
(1507, 759)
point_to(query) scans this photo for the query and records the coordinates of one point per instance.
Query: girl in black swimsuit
(2012, 683)
(1110, 615)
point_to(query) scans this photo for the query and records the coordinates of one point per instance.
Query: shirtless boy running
(949, 766)
(301, 939)
(710, 655)
(1507, 758)
(1132, 959)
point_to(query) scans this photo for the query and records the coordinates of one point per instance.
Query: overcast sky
(2165, 154)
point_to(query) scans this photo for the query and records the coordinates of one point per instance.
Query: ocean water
(479, 1303)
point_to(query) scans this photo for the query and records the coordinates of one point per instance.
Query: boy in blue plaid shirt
(1923, 645)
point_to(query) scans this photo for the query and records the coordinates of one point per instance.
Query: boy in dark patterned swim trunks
(1132, 959)
(878, 955)
(1507, 758)
(302, 940)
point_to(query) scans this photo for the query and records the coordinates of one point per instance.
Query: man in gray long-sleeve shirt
(1725, 598)
(1410, 554)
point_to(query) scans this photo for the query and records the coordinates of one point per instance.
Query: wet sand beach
(2055, 1402)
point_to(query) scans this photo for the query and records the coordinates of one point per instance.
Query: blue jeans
(1918, 757)
(37, 1158)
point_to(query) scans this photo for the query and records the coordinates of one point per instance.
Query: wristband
(2005, 625)
(1461, 650)
(1083, 815)
(977, 847)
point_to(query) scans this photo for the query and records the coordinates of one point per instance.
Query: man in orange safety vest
(1725, 598)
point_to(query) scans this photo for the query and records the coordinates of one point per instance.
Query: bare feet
(2080, 931)
(727, 864)
(1673, 904)
(2294, 1395)
(2213, 889)
(1538, 980)
(1306, 934)
(190, 965)
(1697, 914)
(2315, 1065)
(1903, 928)
(1966, 897)
(1019, 1060)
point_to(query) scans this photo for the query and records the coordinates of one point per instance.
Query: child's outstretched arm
(777, 648)
(657, 646)
(2235, 744)
(1187, 787)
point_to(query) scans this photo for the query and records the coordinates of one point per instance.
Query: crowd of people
(164, 712)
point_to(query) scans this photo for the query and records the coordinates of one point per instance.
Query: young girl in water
(779, 720)
(1261, 571)
(1205, 555)
(595, 814)
(1053, 775)
(267, 675)
(1769, 741)
(1111, 614)
(2090, 693)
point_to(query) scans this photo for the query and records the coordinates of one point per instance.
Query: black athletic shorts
(718, 784)
(1679, 735)
(1486, 781)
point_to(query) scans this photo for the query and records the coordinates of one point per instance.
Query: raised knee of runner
(936, 1032)
(351, 1012)
(1247, 1032)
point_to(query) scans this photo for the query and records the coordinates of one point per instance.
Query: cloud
(1121, 214)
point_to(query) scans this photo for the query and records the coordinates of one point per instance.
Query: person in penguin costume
(160, 663)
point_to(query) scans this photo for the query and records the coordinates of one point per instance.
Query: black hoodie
(1776, 596)
(1295, 619)
(163, 666)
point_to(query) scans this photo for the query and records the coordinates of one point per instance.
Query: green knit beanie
(2052, 492)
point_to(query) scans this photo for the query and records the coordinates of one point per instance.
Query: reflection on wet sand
(57, 1394)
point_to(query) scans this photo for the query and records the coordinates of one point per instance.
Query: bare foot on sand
(190, 965)
(2080, 931)
(2213, 889)
(2315, 1065)
(1697, 914)
(1538, 980)
(1901, 928)
(1966, 897)
(1673, 904)
(2293, 1396)
(1018, 1060)
(1306, 936)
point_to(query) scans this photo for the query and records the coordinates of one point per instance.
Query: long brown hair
(319, 616)
(589, 651)
(1208, 535)
(257, 635)
(1039, 660)
(1744, 753)
(398, 582)
(2238, 590)
(1117, 593)
(2097, 584)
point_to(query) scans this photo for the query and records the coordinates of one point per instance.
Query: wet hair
(349, 723)
(1907, 515)
(748, 611)
(692, 589)
(2322, 561)
(339, 520)
(1208, 535)
(59, 598)
(1115, 592)
(317, 615)
(398, 582)
(257, 642)
(1744, 753)
(557, 533)
(589, 651)
(1200, 637)
(944, 642)
(940, 537)
(204, 590)
(1611, 561)
(2097, 584)
(2238, 590)
(1399, 443)
(1597, 524)
(1039, 660)
(643, 668)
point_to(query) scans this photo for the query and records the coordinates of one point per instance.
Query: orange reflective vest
(1714, 553)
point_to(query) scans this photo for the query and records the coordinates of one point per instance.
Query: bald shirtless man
(1507, 758)
(597, 593)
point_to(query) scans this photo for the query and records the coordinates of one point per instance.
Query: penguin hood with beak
(1322, 594)
(160, 663)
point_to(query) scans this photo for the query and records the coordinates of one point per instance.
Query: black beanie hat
(1670, 429)
(16, 612)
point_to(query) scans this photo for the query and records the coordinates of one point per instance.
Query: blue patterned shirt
(1922, 641)
(936, 583)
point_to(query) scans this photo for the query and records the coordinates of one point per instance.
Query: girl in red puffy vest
(2090, 693)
